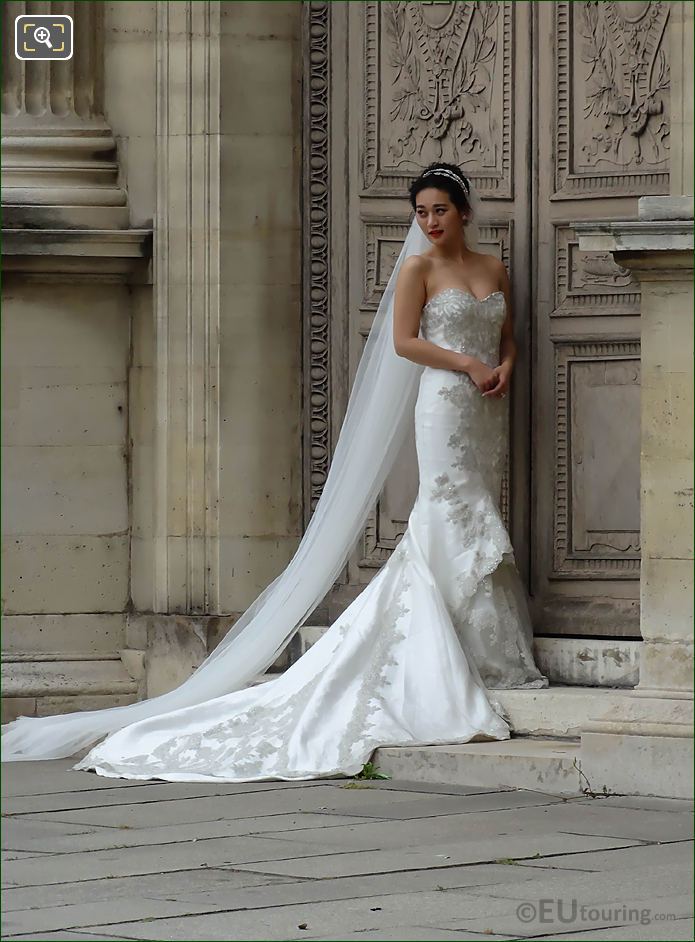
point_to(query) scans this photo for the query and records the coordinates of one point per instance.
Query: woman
(410, 660)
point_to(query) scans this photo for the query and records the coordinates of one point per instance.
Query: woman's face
(437, 216)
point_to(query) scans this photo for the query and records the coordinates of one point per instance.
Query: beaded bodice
(456, 319)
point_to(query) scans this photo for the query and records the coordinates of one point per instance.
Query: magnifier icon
(42, 35)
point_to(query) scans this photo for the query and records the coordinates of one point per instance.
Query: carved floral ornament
(441, 58)
(626, 82)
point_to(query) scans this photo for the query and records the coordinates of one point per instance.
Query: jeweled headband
(449, 173)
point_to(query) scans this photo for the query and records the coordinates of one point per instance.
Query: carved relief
(438, 87)
(316, 274)
(590, 282)
(612, 98)
(626, 82)
(382, 244)
(597, 460)
(598, 270)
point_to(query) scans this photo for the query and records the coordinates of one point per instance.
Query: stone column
(59, 166)
(645, 745)
(664, 268)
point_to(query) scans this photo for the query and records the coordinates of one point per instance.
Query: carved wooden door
(602, 132)
(516, 93)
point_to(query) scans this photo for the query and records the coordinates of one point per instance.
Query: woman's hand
(482, 375)
(502, 375)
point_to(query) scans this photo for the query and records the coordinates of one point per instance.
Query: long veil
(379, 412)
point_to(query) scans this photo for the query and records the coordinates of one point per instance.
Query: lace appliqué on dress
(371, 696)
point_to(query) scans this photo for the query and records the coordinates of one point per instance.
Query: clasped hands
(491, 381)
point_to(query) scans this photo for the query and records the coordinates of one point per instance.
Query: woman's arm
(508, 348)
(409, 300)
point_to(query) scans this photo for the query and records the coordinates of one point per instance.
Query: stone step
(43, 675)
(12, 707)
(551, 766)
(557, 711)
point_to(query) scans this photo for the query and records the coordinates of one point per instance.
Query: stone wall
(65, 478)
(69, 252)
(153, 418)
(260, 310)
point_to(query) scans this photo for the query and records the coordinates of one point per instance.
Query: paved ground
(92, 858)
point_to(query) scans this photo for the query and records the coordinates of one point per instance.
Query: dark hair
(457, 194)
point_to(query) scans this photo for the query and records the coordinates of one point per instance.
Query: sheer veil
(379, 412)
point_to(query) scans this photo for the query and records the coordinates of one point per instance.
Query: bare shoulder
(414, 272)
(416, 265)
(492, 264)
(495, 270)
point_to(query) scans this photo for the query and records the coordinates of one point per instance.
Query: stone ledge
(77, 251)
(555, 711)
(639, 235)
(52, 678)
(650, 713)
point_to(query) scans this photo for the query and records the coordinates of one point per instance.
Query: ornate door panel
(602, 118)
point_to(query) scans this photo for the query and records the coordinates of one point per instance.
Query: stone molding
(642, 714)
(316, 276)
(105, 254)
(642, 235)
(58, 153)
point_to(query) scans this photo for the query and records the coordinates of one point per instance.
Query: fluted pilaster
(59, 156)
(187, 308)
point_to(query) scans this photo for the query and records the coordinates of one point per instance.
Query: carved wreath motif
(626, 83)
(442, 80)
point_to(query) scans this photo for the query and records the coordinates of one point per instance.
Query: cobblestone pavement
(92, 858)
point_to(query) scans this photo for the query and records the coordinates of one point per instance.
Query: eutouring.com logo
(41, 38)
(572, 911)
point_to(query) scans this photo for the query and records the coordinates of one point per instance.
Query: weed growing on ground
(369, 770)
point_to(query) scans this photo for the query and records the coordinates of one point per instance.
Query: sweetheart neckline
(462, 291)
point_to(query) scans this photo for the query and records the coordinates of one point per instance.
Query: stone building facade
(200, 210)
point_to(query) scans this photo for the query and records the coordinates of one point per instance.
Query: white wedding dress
(410, 660)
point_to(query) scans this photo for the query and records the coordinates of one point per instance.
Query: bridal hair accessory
(449, 173)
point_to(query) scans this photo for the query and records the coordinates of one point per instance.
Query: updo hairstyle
(452, 180)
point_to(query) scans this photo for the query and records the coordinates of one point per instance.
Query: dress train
(413, 658)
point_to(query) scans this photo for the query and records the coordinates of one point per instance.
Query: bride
(445, 620)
